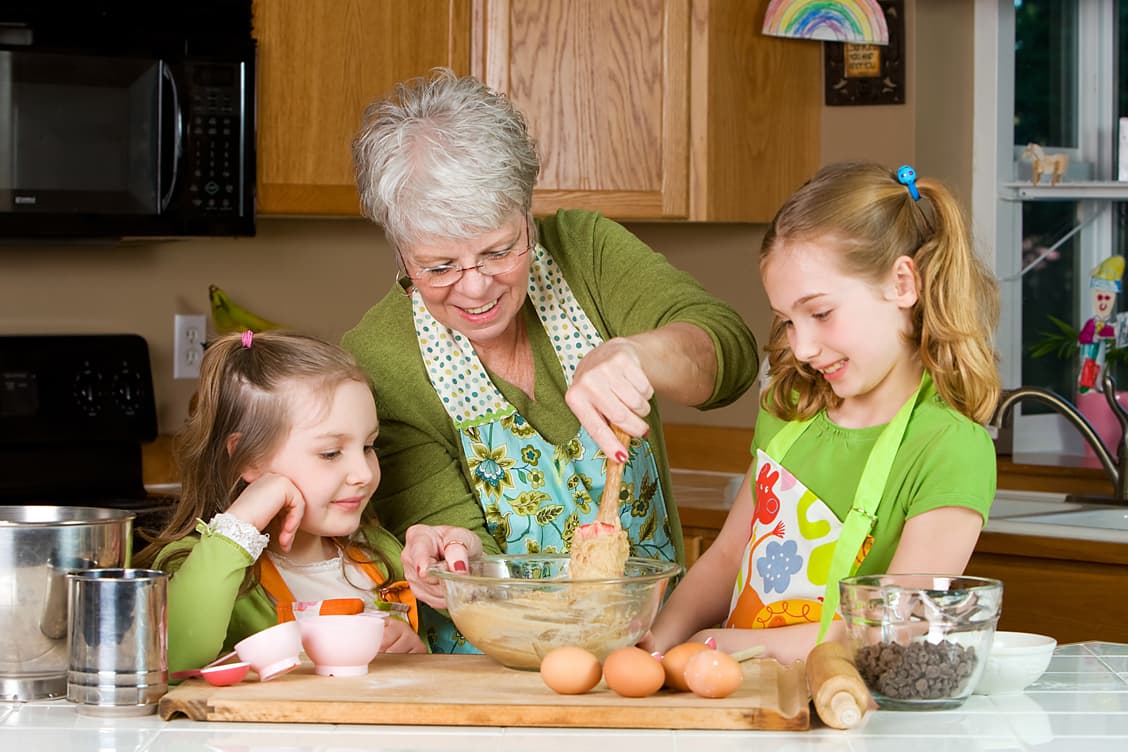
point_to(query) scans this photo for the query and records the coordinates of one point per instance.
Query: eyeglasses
(445, 275)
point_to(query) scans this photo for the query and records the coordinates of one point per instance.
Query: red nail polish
(459, 566)
(621, 457)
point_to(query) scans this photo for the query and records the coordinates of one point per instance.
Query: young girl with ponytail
(869, 453)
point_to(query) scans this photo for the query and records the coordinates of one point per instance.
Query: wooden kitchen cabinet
(1072, 590)
(653, 109)
(320, 62)
(656, 109)
(697, 541)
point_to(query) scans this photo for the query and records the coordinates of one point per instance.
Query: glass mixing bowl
(516, 608)
(920, 641)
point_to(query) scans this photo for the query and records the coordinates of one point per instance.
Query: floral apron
(798, 549)
(535, 494)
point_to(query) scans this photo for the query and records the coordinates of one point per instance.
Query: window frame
(998, 197)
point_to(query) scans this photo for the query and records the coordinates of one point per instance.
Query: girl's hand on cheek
(267, 498)
(400, 638)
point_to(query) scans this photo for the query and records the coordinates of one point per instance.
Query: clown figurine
(1098, 332)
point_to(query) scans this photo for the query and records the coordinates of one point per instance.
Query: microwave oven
(118, 119)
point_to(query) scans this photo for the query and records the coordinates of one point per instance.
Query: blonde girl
(869, 453)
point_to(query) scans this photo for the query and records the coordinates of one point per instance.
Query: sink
(1050, 515)
(1109, 518)
(1009, 504)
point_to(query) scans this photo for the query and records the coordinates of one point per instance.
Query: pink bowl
(273, 651)
(342, 644)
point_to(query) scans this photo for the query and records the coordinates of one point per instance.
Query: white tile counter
(1081, 704)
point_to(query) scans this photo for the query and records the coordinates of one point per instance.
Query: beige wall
(881, 133)
(317, 275)
(321, 275)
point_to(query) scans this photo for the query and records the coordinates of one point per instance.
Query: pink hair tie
(248, 337)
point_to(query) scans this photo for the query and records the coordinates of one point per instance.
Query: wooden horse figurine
(1053, 165)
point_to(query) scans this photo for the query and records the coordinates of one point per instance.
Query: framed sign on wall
(865, 74)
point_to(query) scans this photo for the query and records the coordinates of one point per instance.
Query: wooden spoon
(600, 548)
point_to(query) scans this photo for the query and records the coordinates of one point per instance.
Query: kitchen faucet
(1117, 469)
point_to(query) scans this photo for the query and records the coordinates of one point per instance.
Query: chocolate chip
(919, 671)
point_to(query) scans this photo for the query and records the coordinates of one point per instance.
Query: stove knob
(127, 391)
(88, 392)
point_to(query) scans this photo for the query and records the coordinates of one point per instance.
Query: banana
(228, 316)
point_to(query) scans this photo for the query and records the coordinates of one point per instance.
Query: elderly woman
(509, 347)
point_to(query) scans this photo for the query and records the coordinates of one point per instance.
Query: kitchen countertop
(1080, 703)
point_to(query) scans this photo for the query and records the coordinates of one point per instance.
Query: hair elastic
(906, 176)
(248, 337)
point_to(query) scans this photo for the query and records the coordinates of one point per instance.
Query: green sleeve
(959, 470)
(627, 288)
(202, 594)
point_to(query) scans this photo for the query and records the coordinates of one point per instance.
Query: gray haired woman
(509, 347)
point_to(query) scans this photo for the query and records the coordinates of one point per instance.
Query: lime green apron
(797, 549)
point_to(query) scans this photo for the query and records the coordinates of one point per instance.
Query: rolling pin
(840, 696)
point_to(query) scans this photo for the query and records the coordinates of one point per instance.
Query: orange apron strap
(395, 592)
(276, 588)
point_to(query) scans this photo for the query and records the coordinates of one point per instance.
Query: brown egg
(673, 662)
(570, 670)
(633, 672)
(712, 673)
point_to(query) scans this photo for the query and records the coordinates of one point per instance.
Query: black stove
(74, 413)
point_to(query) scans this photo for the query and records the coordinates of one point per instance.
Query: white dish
(1015, 662)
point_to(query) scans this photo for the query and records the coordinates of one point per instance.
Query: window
(1048, 72)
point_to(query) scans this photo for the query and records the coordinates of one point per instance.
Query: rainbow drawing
(856, 21)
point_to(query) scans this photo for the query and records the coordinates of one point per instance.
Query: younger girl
(869, 453)
(277, 466)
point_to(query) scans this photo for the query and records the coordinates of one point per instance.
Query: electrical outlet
(188, 345)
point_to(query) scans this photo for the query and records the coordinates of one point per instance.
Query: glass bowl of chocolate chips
(920, 641)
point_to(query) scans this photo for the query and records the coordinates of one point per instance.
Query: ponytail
(958, 311)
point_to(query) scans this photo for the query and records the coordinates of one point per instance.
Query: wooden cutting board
(474, 690)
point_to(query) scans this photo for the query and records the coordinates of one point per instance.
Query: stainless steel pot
(39, 546)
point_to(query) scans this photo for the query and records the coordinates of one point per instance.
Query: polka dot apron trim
(468, 395)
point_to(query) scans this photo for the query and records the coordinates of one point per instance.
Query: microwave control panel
(215, 123)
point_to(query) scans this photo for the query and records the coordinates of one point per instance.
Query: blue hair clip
(906, 176)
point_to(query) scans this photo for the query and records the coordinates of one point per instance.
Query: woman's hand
(399, 637)
(611, 388)
(614, 382)
(268, 498)
(427, 545)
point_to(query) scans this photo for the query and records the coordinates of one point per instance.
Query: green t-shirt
(945, 460)
(622, 285)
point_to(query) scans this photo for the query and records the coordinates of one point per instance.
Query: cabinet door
(755, 112)
(604, 88)
(320, 62)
